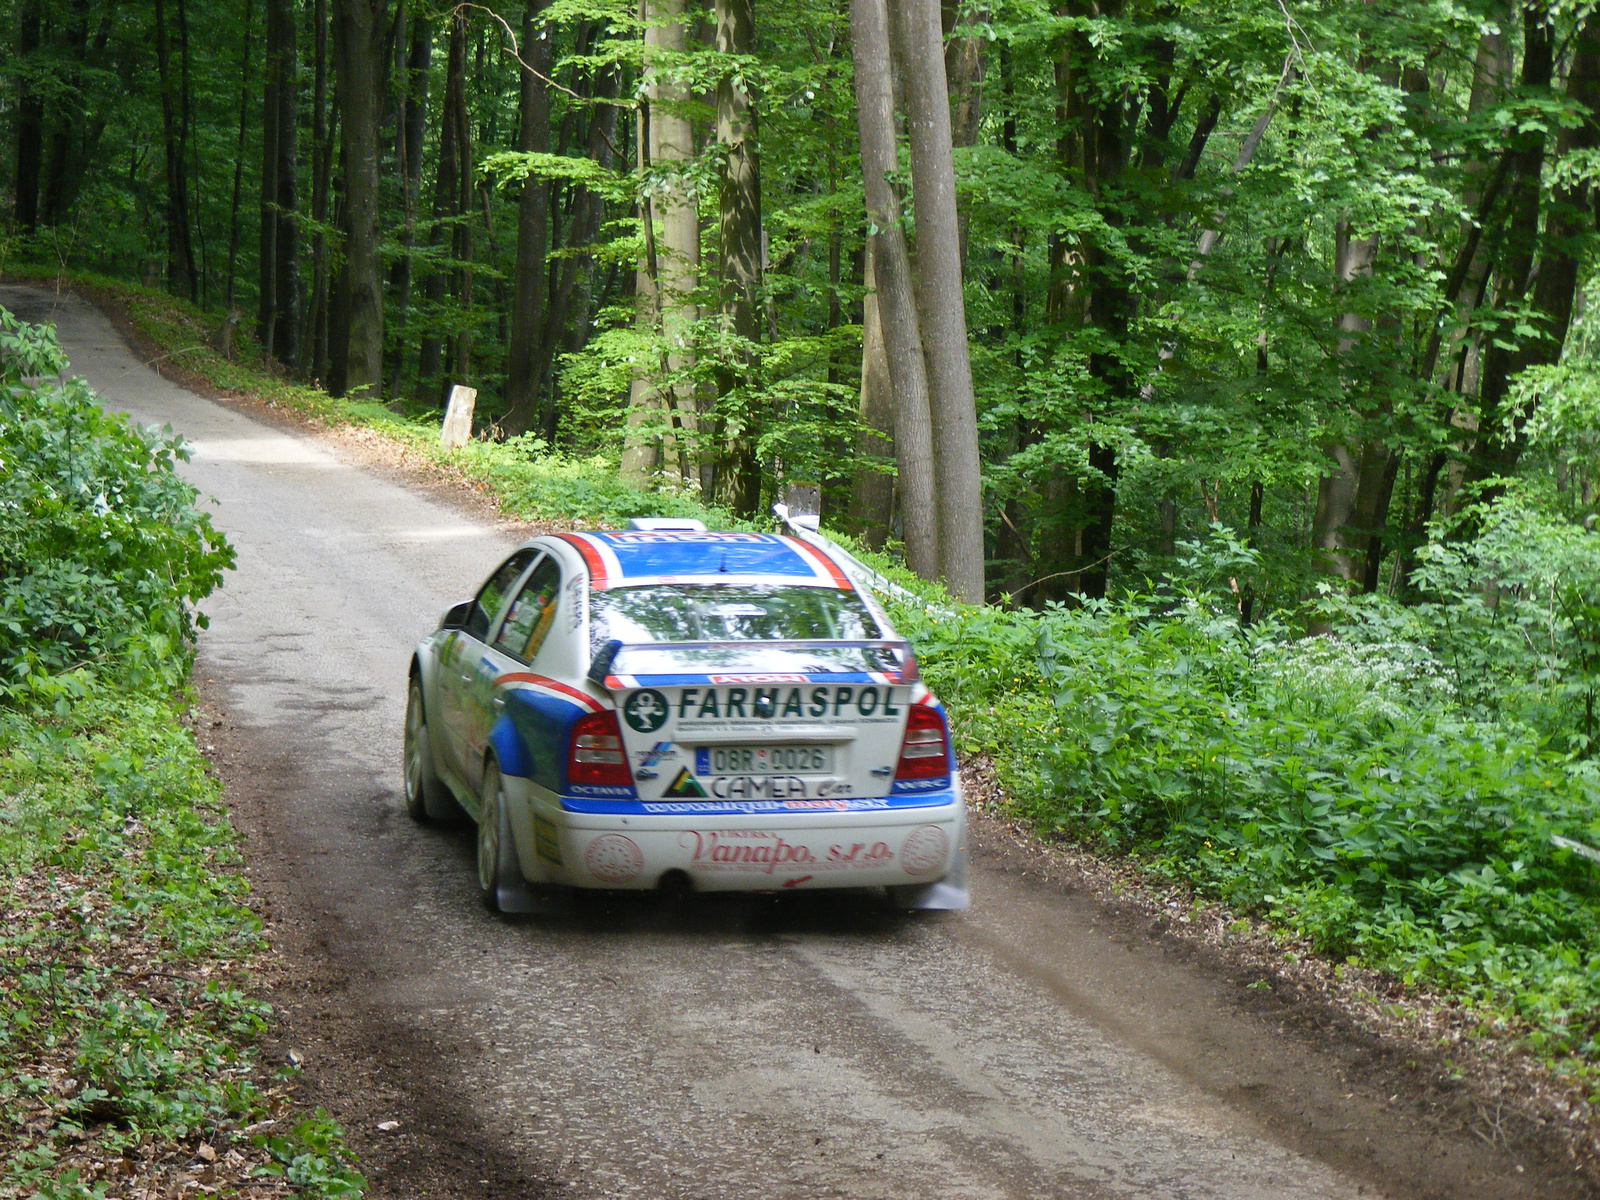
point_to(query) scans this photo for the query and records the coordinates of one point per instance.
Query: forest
(1313, 274)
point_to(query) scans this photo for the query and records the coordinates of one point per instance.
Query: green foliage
(110, 813)
(124, 934)
(1334, 783)
(313, 1159)
(102, 552)
(1510, 618)
(27, 351)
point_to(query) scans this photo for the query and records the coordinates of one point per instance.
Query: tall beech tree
(958, 490)
(533, 221)
(182, 278)
(279, 290)
(738, 471)
(358, 39)
(29, 123)
(663, 406)
(409, 155)
(893, 293)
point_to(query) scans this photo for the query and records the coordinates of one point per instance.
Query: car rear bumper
(743, 851)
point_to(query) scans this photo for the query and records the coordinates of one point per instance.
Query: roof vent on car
(664, 524)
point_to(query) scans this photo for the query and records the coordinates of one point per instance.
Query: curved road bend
(1026, 1049)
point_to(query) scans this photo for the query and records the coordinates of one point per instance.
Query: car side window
(532, 612)
(493, 594)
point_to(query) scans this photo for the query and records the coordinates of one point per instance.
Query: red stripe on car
(840, 579)
(555, 685)
(591, 557)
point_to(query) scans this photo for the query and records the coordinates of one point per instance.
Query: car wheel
(427, 798)
(499, 874)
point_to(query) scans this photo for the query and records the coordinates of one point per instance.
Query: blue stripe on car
(742, 808)
(752, 678)
(687, 554)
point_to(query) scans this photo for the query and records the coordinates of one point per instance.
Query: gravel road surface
(1033, 1047)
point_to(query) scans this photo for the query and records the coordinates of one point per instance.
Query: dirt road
(1034, 1047)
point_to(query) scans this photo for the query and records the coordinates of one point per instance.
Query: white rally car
(666, 706)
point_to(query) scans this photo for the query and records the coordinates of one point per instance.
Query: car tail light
(595, 753)
(925, 751)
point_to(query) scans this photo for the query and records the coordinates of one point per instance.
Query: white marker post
(457, 427)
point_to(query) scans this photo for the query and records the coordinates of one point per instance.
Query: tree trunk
(893, 289)
(1011, 545)
(358, 39)
(66, 151)
(314, 342)
(1358, 491)
(533, 224)
(670, 269)
(286, 243)
(30, 117)
(872, 493)
(238, 154)
(1464, 286)
(198, 266)
(267, 257)
(739, 472)
(447, 212)
(181, 279)
(414, 116)
(942, 308)
(1338, 530)
(1569, 218)
(963, 66)
(461, 233)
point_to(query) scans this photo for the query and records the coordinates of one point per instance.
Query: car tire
(428, 800)
(499, 872)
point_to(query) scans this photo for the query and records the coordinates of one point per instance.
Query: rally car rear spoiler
(600, 671)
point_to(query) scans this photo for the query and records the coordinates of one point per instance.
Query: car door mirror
(457, 616)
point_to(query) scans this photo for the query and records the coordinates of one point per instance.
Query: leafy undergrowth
(1343, 788)
(1315, 782)
(128, 1061)
(127, 1028)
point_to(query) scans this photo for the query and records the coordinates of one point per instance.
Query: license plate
(763, 760)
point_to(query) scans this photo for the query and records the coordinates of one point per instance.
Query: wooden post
(457, 427)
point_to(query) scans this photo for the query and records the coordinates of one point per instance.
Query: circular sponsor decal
(923, 852)
(645, 710)
(612, 858)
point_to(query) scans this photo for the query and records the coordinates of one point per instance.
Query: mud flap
(522, 897)
(949, 894)
(512, 892)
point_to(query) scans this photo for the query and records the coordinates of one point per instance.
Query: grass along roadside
(128, 1065)
(1329, 802)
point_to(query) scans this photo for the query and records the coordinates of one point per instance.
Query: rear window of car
(659, 615)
